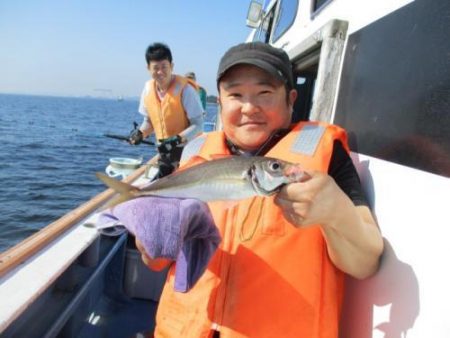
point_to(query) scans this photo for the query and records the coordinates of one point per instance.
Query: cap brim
(255, 62)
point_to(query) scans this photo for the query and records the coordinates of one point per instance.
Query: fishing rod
(125, 138)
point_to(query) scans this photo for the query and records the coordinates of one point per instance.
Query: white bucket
(122, 166)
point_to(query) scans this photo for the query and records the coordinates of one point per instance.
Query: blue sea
(51, 148)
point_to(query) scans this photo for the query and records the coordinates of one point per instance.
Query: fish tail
(126, 191)
(115, 201)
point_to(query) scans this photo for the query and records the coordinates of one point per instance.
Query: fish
(229, 178)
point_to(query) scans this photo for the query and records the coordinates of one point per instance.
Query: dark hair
(158, 52)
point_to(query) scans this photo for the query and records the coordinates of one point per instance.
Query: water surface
(51, 148)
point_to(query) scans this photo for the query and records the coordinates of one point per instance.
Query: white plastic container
(121, 167)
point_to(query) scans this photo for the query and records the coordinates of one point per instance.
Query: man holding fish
(298, 224)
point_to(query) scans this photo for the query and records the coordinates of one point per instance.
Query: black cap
(273, 60)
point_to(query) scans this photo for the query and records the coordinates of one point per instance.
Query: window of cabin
(305, 85)
(318, 61)
(263, 33)
(286, 16)
(403, 117)
(319, 5)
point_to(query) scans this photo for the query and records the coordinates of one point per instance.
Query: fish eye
(275, 166)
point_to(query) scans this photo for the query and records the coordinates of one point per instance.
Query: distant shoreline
(123, 98)
(209, 99)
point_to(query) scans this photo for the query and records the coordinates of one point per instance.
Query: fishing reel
(136, 135)
(169, 144)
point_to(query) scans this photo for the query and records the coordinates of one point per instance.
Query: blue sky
(97, 47)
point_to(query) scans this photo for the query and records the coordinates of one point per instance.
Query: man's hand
(168, 144)
(353, 239)
(135, 137)
(155, 264)
(315, 200)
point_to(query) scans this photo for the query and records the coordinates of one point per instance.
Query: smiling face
(161, 72)
(253, 105)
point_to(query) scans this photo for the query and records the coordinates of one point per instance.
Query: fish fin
(126, 191)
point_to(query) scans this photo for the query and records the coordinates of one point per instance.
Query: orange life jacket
(268, 278)
(167, 116)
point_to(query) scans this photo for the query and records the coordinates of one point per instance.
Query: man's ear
(292, 97)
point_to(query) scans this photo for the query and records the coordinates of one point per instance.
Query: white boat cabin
(381, 70)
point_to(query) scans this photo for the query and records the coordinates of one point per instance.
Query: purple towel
(179, 229)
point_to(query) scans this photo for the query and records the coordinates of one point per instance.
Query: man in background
(171, 109)
(201, 91)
